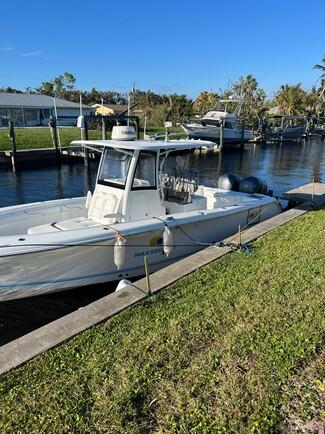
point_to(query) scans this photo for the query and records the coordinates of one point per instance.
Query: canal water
(282, 166)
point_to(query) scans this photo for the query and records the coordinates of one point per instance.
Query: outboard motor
(228, 181)
(252, 185)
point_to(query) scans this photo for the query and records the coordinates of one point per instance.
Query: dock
(25, 157)
(313, 192)
(71, 152)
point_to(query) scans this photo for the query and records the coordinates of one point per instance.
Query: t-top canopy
(147, 145)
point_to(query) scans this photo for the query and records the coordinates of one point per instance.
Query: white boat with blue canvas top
(140, 207)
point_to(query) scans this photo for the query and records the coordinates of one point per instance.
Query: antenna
(129, 100)
(80, 99)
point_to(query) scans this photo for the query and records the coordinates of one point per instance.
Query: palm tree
(291, 99)
(321, 67)
(322, 78)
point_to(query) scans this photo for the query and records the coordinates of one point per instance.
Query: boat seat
(64, 225)
(104, 207)
(76, 223)
(42, 229)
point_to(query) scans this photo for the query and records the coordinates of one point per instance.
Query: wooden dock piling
(103, 128)
(84, 136)
(222, 128)
(54, 134)
(13, 145)
(137, 128)
(242, 136)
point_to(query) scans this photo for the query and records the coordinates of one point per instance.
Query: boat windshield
(115, 167)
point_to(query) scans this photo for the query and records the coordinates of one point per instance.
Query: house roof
(17, 100)
(117, 108)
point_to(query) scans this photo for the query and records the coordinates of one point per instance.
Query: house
(110, 109)
(275, 111)
(29, 110)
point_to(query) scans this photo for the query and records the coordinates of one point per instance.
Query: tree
(312, 101)
(9, 90)
(204, 102)
(291, 99)
(180, 108)
(46, 88)
(246, 89)
(59, 86)
(321, 67)
(321, 99)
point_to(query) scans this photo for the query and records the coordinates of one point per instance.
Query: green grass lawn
(236, 347)
(29, 138)
(32, 138)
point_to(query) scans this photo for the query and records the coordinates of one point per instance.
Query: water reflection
(46, 183)
(283, 166)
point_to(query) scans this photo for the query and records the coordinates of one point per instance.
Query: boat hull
(212, 133)
(288, 134)
(57, 266)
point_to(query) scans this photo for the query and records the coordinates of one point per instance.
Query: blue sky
(166, 46)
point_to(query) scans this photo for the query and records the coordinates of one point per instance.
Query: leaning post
(13, 144)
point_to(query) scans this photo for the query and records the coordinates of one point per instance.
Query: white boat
(209, 127)
(139, 208)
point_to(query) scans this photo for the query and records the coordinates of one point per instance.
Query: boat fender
(81, 122)
(167, 241)
(122, 284)
(88, 199)
(119, 252)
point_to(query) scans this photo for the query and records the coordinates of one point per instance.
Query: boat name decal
(149, 252)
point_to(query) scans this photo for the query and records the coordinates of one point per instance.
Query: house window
(4, 117)
(31, 115)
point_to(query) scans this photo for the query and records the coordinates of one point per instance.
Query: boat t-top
(209, 126)
(141, 206)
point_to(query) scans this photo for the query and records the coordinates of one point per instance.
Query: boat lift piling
(54, 134)
(13, 145)
(103, 128)
(242, 136)
(222, 134)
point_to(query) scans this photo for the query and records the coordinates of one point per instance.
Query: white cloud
(32, 53)
(6, 48)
